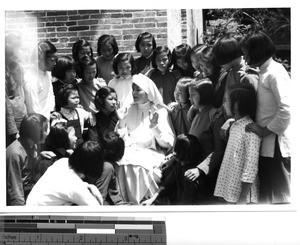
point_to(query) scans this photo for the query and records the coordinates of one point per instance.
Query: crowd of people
(198, 125)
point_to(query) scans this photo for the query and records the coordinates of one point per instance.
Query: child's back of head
(226, 49)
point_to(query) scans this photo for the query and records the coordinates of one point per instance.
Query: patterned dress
(240, 164)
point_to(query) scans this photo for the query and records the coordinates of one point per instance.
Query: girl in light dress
(107, 48)
(237, 180)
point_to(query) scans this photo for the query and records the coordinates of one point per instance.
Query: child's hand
(224, 131)
(258, 130)
(192, 174)
(191, 113)
(122, 115)
(153, 119)
(95, 192)
(47, 154)
(168, 162)
(171, 106)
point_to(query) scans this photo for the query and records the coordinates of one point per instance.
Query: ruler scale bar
(81, 230)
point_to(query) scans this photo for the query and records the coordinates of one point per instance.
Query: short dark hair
(226, 49)
(89, 61)
(205, 89)
(58, 136)
(32, 127)
(79, 44)
(63, 64)
(259, 45)
(109, 39)
(64, 93)
(113, 146)
(123, 57)
(244, 95)
(88, 159)
(181, 51)
(44, 50)
(101, 95)
(143, 36)
(187, 148)
(159, 50)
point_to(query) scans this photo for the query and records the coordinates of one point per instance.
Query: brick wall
(64, 27)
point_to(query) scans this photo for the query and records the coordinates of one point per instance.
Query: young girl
(89, 84)
(145, 44)
(80, 51)
(178, 113)
(214, 72)
(227, 53)
(63, 185)
(107, 117)
(237, 180)
(113, 146)
(22, 158)
(65, 73)
(61, 140)
(273, 117)
(15, 93)
(74, 115)
(181, 60)
(186, 156)
(164, 79)
(107, 48)
(39, 97)
(195, 53)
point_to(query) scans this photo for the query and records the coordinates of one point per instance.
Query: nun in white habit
(148, 135)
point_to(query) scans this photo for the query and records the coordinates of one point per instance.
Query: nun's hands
(153, 119)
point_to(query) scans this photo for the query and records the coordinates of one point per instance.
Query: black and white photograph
(184, 112)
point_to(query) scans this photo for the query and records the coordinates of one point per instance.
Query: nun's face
(138, 94)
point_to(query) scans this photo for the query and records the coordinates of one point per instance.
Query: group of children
(227, 105)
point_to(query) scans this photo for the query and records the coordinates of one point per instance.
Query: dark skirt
(274, 177)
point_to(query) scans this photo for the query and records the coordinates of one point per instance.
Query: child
(210, 69)
(89, 84)
(182, 61)
(195, 53)
(61, 140)
(145, 43)
(62, 184)
(81, 50)
(107, 117)
(22, 158)
(74, 115)
(178, 113)
(123, 66)
(273, 117)
(237, 180)
(15, 93)
(107, 48)
(39, 97)
(65, 72)
(186, 156)
(107, 184)
(227, 53)
(164, 79)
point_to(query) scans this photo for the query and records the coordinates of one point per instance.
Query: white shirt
(273, 107)
(38, 90)
(60, 185)
(123, 88)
